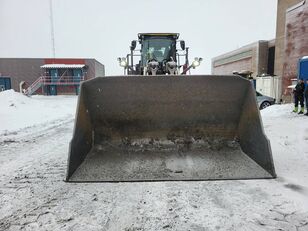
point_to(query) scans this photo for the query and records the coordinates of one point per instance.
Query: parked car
(264, 101)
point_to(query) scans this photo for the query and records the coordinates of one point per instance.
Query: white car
(264, 101)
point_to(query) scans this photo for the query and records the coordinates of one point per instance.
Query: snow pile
(18, 111)
(10, 98)
(278, 110)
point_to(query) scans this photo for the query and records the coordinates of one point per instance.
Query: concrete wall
(90, 68)
(95, 68)
(99, 69)
(21, 69)
(262, 58)
(237, 60)
(252, 57)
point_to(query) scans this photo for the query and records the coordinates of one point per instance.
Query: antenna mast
(52, 30)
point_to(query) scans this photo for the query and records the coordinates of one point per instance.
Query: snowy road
(33, 195)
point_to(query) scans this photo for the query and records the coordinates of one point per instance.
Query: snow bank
(10, 98)
(288, 134)
(18, 111)
(278, 110)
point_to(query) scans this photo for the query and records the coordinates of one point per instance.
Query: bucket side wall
(252, 138)
(82, 140)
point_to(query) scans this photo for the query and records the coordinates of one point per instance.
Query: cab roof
(175, 35)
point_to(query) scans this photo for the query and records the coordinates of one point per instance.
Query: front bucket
(159, 128)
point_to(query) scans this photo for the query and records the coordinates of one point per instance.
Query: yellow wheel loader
(157, 123)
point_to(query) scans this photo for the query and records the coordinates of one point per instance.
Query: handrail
(66, 80)
(49, 80)
(35, 85)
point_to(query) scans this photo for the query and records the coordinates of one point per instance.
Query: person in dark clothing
(299, 96)
(306, 96)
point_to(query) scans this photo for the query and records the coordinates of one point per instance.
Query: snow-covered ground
(34, 137)
(18, 111)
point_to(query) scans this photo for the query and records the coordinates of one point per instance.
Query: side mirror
(182, 43)
(133, 45)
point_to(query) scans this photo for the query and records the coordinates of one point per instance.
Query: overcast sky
(103, 29)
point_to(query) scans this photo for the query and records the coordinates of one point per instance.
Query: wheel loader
(158, 123)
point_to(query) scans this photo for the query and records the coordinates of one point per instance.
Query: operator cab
(158, 55)
(157, 47)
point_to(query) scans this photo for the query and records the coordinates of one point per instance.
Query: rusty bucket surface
(158, 128)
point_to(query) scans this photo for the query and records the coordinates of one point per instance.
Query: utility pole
(52, 30)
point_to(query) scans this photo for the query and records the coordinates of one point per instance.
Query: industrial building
(47, 76)
(257, 57)
(277, 58)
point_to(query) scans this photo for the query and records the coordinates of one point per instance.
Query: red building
(296, 42)
(49, 76)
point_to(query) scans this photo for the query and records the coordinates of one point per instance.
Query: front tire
(264, 105)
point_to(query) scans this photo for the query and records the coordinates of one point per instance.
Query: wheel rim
(265, 104)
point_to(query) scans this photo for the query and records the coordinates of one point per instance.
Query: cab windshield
(158, 49)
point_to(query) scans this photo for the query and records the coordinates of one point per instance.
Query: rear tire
(264, 105)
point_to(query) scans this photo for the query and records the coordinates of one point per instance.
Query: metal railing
(64, 80)
(48, 81)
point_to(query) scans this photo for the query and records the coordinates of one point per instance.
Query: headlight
(122, 62)
(196, 62)
(171, 64)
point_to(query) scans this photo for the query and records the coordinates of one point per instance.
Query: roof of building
(65, 66)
